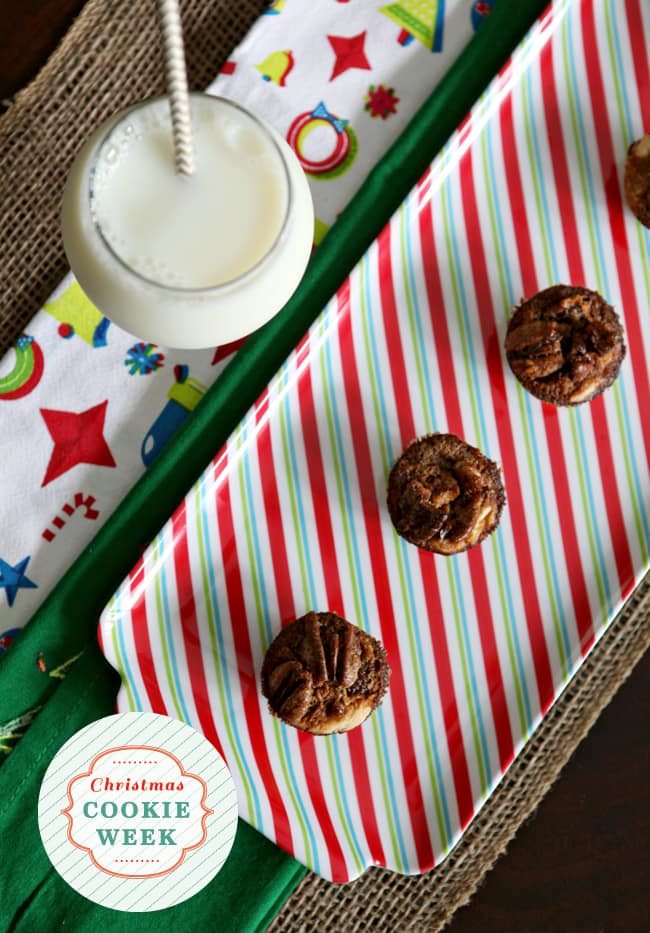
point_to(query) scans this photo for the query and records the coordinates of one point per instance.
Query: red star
(349, 53)
(78, 438)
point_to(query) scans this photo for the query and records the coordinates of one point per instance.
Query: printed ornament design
(349, 52)
(143, 360)
(381, 101)
(87, 503)
(78, 438)
(79, 316)
(480, 9)
(13, 577)
(6, 639)
(276, 67)
(335, 144)
(274, 7)
(182, 398)
(419, 19)
(26, 372)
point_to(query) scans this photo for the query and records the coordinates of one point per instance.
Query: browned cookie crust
(444, 495)
(637, 179)
(322, 674)
(565, 344)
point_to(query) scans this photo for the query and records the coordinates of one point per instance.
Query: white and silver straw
(177, 85)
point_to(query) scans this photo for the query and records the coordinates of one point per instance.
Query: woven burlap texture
(111, 57)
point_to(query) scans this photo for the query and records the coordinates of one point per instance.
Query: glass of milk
(187, 261)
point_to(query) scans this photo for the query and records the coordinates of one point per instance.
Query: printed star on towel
(349, 53)
(12, 578)
(78, 438)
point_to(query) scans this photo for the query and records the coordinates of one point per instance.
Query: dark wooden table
(581, 864)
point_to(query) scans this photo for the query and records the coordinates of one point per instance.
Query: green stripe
(604, 609)
(397, 549)
(291, 487)
(638, 523)
(549, 273)
(466, 679)
(261, 631)
(156, 575)
(327, 397)
(476, 421)
(309, 599)
(412, 318)
(118, 657)
(506, 619)
(585, 505)
(212, 629)
(555, 612)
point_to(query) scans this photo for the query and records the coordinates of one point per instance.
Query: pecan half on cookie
(444, 495)
(322, 674)
(636, 179)
(565, 344)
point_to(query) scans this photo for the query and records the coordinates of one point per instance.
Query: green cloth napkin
(249, 890)
(54, 680)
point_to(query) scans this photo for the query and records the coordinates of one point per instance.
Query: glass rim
(201, 289)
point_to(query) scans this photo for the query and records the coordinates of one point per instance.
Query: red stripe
(283, 589)
(640, 59)
(455, 744)
(190, 628)
(248, 675)
(562, 486)
(476, 563)
(634, 332)
(516, 505)
(555, 449)
(435, 298)
(329, 564)
(273, 510)
(390, 638)
(138, 580)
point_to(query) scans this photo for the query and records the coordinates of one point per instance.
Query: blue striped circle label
(137, 811)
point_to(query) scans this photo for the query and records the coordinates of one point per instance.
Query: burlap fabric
(93, 72)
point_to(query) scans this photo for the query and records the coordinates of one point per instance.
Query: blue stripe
(218, 631)
(629, 125)
(314, 601)
(472, 674)
(296, 486)
(499, 538)
(629, 132)
(600, 263)
(405, 218)
(411, 596)
(168, 627)
(410, 284)
(245, 460)
(530, 427)
(358, 567)
(474, 381)
(120, 637)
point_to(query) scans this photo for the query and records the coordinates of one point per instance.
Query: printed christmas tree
(419, 19)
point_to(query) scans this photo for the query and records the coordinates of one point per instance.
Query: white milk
(187, 261)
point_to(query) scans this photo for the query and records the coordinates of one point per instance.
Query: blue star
(13, 579)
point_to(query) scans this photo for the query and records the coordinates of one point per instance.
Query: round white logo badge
(137, 811)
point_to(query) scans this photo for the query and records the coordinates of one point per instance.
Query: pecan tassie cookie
(637, 179)
(322, 674)
(444, 495)
(565, 344)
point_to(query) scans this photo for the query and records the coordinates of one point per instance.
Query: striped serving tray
(291, 516)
